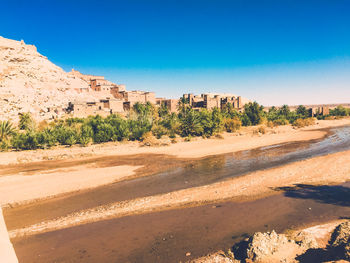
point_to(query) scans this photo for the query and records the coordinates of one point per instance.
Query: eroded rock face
(271, 247)
(29, 82)
(305, 240)
(218, 257)
(307, 245)
(340, 240)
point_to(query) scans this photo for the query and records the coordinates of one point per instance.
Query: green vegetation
(147, 123)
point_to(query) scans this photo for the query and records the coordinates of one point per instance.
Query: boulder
(340, 240)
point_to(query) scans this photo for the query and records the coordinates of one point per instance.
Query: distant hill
(29, 82)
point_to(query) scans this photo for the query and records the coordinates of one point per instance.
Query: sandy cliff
(29, 82)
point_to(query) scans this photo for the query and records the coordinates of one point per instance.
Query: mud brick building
(210, 101)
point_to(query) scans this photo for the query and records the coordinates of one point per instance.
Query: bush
(66, 135)
(149, 140)
(85, 141)
(190, 123)
(232, 125)
(6, 130)
(159, 131)
(4, 146)
(26, 122)
(71, 140)
(25, 141)
(104, 133)
(120, 127)
(138, 129)
(254, 113)
(46, 138)
(245, 120)
(280, 122)
(172, 123)
(299, 123)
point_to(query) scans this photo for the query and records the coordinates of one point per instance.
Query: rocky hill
(29, 82)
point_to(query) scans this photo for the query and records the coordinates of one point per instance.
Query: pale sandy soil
(7, 253)
(329, 169)
(20, 188)
(197, 148)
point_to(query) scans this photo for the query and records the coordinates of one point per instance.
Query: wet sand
(180, 174)
(185, 179)
(167, 236)
(329, 169)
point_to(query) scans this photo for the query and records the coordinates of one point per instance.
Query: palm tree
(26, 121)
(190, 123)
(6, 130)
(182, 104)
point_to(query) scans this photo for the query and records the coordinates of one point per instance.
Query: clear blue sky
(276, 52)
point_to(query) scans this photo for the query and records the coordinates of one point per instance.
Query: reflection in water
(188, 174)
(220, 167)
(236, 164)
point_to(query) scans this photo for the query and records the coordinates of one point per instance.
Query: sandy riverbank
(324, 170)
(21, 188)
(198, 147)
(79, 168)
(52, 178)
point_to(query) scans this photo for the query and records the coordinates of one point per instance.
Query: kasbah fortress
(114, 98)
(29, 82)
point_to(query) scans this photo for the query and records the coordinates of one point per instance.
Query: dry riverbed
(325, 170)
(33, 178)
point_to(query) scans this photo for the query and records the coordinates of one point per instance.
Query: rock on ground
(219, 257)
(340, 240)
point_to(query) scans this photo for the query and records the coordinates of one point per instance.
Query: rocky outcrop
(268, 247)
(322, 243)
(219, 257)
(340, 241)
(29, 82)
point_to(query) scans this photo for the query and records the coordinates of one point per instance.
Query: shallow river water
(167, 236)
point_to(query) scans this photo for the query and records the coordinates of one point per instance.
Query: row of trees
(143, 120)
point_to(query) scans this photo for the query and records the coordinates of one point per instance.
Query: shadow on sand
(335, 195)
(327, 194)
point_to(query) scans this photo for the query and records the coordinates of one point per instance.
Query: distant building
(171, 104)
(322, 110)
(110, 97)
(102, 107)
(212, 100)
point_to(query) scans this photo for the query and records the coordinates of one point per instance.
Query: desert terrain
(73, 193)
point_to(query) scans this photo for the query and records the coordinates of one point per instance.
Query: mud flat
(324, 170)
(132, 211)
(168, 236)
(180, 174)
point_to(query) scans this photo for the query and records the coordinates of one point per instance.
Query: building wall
(171, 104)
(116, 106)
(150, 97)
(210, 103)
(133, 97)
